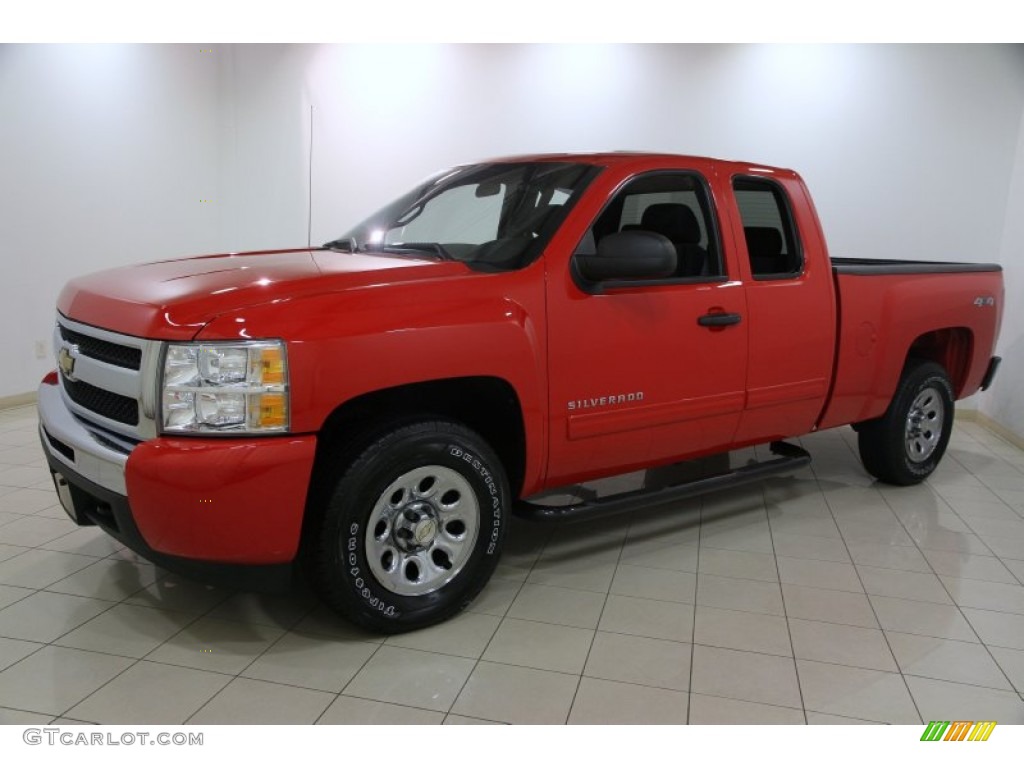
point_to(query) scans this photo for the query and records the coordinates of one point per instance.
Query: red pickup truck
(377, 407)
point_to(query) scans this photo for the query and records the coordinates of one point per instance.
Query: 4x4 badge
(66, 361)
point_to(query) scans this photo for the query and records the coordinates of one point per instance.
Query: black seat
(764, 246)
(534, 220)
(679, 224)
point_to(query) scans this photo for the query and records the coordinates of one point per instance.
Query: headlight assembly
(225, 387)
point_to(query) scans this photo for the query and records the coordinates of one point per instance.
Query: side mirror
(630, 255)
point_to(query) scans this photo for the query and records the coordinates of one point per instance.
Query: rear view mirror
(488, 189)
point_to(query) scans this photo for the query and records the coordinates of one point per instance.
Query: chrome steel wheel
(904, 445)
(412, 528)
(422, 530)
(925, 421)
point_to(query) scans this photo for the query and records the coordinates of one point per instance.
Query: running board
(791, 458)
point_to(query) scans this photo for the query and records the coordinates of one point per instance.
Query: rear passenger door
(790, 307)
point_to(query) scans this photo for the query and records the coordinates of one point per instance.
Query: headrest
(763, 241)
(535, 219)
(675, 221)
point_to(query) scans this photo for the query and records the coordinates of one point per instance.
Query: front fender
(350, 343)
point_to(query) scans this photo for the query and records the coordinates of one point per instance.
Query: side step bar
(791, 458)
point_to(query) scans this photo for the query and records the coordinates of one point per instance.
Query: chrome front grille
(105, 351)
(107, 404)
(108, 379)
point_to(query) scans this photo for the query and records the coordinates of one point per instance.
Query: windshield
(493, 216)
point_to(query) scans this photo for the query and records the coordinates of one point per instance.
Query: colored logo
(66, 361)
(958, 730)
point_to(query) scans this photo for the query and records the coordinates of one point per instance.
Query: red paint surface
(233, 501)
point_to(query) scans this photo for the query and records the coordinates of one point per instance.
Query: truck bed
(890, 310)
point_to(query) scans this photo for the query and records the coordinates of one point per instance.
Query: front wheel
(905, 445)
(413, 528)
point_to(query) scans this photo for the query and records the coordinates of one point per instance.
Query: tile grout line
(974, 532)
(287, 631)
(444, 714)
(497, 628)
(953, 600)
(476, 662)
(860, 580)
(135, 661)
(934, 573)
(693, 626)
(597, 626)
(785, 612)
(235, 676)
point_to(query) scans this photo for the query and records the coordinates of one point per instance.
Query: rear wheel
(413, 528)
(905, 445)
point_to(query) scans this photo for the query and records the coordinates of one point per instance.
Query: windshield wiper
(435, 248)
(347, 244)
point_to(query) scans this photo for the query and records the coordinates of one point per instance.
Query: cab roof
(616, 157)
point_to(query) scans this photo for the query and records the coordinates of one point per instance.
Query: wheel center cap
(415, 527)
(424, 531)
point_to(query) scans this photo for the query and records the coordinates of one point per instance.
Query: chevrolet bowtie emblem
(66, 361)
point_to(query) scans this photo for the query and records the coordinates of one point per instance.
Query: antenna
(309, 220)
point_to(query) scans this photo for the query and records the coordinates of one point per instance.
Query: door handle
(718, 319)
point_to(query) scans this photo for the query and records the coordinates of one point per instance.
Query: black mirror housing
(488, 189)
(630, 255)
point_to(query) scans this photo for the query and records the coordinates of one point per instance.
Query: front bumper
(224, 510)
(67, 440)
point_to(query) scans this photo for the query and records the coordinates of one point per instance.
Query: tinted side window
(768, 227)
(675, 205)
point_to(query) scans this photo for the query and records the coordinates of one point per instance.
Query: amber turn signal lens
(271, 365)
(270, 410)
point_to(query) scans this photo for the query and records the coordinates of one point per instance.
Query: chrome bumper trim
(93, 460)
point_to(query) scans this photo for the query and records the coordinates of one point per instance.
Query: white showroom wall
(1004, 403)
(106, 153)
(908, 150)
(879, 132)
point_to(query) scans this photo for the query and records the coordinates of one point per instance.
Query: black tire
(413, 529)
(905, 445)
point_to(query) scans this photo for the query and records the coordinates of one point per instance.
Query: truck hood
(174, 299)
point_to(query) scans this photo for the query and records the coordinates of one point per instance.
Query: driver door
(648, 371)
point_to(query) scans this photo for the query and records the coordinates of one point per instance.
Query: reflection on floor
(818, 598)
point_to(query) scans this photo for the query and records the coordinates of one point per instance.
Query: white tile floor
(821, 598)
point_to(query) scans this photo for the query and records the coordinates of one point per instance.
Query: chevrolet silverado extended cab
(376, 408)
